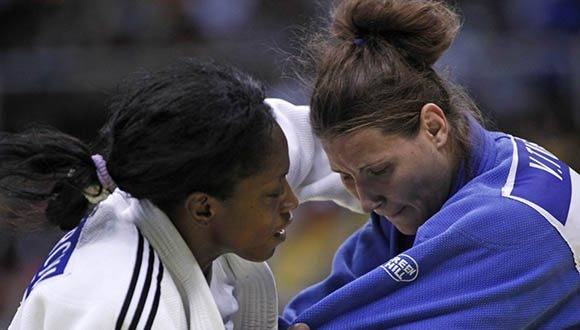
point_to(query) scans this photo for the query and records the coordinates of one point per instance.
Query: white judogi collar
(253, 282)
(222, 289)
(201, 309)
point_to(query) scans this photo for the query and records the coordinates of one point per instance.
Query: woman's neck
(198, 239)
(204, 253)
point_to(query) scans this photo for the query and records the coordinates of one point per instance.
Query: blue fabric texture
(484, 261)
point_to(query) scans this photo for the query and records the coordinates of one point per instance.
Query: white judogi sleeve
(310, 175)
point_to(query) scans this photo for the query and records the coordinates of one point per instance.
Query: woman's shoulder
(495, 220)
(479, 209)
(89, 270)
(524, 191)
(91, 261)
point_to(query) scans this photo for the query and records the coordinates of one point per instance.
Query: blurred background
(59, 59)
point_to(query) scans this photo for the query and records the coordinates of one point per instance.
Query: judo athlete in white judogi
(156, 248)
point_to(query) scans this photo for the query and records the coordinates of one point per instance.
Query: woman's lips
(281, 234)
(389, 215)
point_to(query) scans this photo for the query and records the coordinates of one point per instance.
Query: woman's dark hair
(191, 127)
(374, 68)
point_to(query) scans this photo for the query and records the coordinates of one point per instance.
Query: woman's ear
(434, 123)
(201, 208)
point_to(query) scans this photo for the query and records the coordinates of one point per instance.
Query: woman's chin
(258, 256)
(406, 230)
(405, 222)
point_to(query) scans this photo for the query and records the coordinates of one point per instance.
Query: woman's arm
(310, 175)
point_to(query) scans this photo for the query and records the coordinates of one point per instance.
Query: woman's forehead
(275, 161)
(356, 151)
(361, 143)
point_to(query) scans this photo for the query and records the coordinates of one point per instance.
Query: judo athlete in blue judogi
(503, 252)
(469, 229)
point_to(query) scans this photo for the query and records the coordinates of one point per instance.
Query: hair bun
(419, 30)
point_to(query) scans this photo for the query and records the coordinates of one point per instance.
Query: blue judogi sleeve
(471, 273)
(369, 247)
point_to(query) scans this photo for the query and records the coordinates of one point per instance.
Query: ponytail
(190, 127)
(44, 176)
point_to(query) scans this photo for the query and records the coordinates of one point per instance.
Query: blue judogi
(502, 253)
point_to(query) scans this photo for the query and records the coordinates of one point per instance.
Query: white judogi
(126, 266)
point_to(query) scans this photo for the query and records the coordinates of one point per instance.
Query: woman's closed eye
(345, 177)
(379, 170)
(277, 193)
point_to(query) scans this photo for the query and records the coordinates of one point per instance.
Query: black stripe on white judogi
(142, 298)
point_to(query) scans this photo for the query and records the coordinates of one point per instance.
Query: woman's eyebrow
(385, 162)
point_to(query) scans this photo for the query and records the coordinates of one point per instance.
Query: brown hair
(374, 68)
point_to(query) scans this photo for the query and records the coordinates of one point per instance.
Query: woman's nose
(368, 201)
(291, 201)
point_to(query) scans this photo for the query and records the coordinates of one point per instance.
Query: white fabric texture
(310, 175)
(222, 290)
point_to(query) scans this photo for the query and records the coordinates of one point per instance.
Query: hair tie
(102, 173)
(95, 194)
(359, 42)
